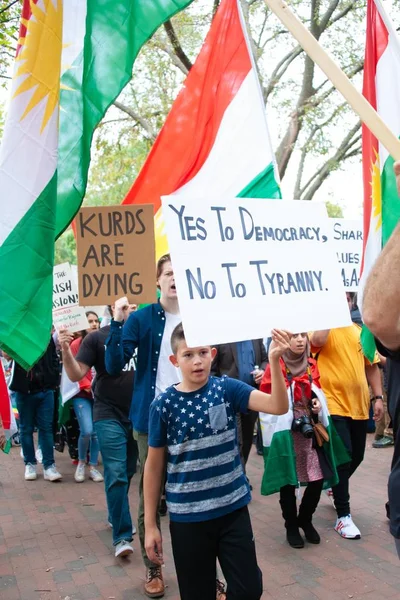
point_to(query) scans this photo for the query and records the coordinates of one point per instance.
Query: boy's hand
(153, 545)
(65, 338)
(280, 343)
(316, 406)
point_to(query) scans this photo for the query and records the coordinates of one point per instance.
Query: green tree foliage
(9, 26)
(65, 249)
(334, 210)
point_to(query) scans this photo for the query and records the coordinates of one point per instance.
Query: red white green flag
(6, 412)
(215, 139)
(382, 89)
(74, 58)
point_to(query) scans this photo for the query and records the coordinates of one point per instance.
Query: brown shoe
(221, 594)
(154, 586)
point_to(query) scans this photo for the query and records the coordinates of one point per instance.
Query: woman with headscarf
(294, 453)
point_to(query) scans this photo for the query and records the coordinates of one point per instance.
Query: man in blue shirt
(149, 331)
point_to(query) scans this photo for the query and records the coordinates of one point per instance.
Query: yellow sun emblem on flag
(40, 57)
(376, 193)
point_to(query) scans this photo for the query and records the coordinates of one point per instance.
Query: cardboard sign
(116, 254)
(245, 266)
(66, 310)
(348, 239)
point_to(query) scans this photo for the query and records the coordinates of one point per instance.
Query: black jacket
(44, 375)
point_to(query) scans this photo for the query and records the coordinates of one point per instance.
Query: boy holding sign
(194, 424)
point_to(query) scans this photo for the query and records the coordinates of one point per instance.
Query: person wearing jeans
(118, 445)
(83, 407)
(345, 374)
(112, 426)
(34, 394)
(149, 332)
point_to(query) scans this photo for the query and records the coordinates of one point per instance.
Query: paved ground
(54, 543)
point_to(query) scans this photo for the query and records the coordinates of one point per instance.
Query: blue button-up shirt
(246, 358)
(143, 330)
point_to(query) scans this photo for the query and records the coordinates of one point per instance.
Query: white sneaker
(95, 475)
(51, 474)
(80, 473)
(346, 528)
(30, 472)
(39, 456)
(123, 548)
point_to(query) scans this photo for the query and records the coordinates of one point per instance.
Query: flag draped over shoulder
(215, 139)
(382, 89)
(76, 55)
(279, 454)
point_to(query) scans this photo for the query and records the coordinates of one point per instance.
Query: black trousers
(196, 547)
(353, 434)
(309, 503)
(246, 423)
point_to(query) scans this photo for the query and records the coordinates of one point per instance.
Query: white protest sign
(245, 266)
(66, 310)
(348, 240)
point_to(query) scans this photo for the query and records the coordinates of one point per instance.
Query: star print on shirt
(167, 401)
(198, 407)
(184, 424)
(189, 403)
(183, 410)
(191, 415)
(197, 396)
(200, 420)
(175, 406)
(181, 398)
(193, 429)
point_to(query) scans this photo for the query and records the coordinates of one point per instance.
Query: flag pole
(342, 83)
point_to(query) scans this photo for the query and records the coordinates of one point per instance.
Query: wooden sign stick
(339, 79)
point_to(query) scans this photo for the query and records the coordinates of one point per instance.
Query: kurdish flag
(74, 58)
(215, 139)
(382, 89)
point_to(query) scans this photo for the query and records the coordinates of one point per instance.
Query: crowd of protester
(132, 392)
